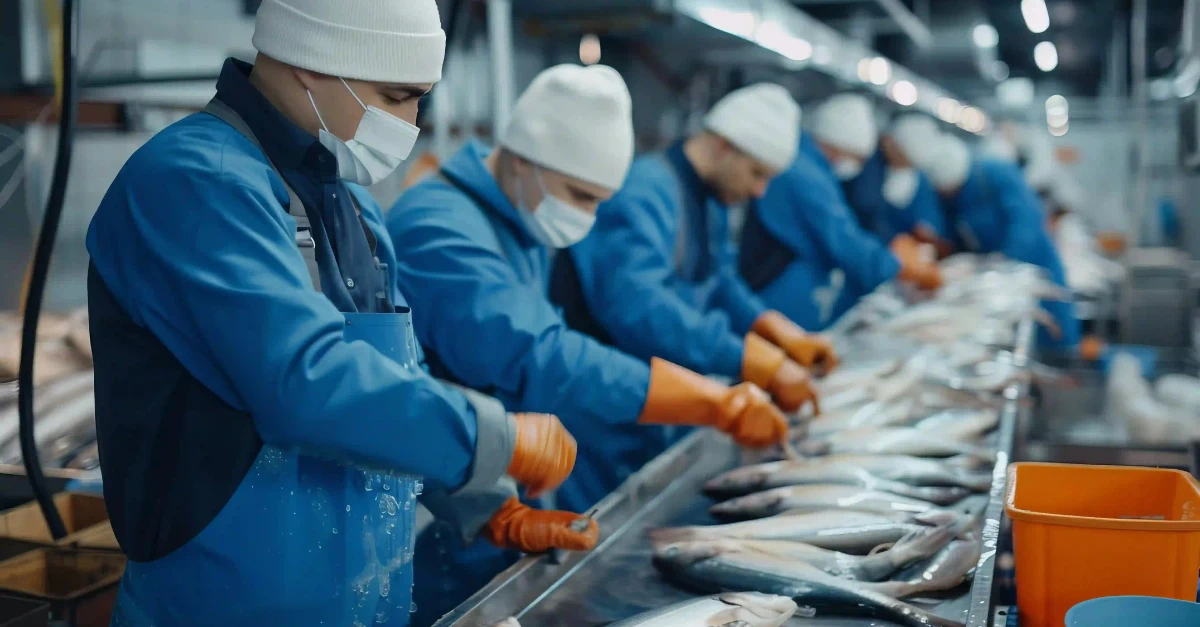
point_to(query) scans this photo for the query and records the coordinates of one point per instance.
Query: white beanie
(951, 163)
(761, 120)
(847, 121)
(577, 121)
(917, 137)
(391, 41)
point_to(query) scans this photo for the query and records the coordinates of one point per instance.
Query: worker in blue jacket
(264, 422)
(656, 277)
(477, 240)
(802, 249)
(994, 210)
(891, 196)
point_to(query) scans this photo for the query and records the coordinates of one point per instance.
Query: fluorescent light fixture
(1056, 105)
(973, 120)
(879, 71)
(1059, 131)
(985, 36)
(949, 110)
(1045, 55)
(772, 37)
(740, 23)
(904, 93)
(589, 49)
(1035, 14)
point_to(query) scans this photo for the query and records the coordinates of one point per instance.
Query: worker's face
(342, 113)
(579, 194)
(892, 153)
(738, 177)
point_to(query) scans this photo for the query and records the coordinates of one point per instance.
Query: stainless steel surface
(500, 43)
(617, 580)
(1157, 300)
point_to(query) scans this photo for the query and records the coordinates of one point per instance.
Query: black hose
(41, 267)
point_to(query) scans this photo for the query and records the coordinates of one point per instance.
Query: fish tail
(940, 495)
(921, 544)
(966, 462)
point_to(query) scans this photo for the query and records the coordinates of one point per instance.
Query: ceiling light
(1056, 105)
(1045, 55)
(1058, 131)
(1035, 14)
(879, 71)
(973, 120)
(999, 70)
(904, 93)
(985, 36)
(589, 49)
(949, 110)
(772, 37)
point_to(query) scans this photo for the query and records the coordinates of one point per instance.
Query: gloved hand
(518, 526)
(679, 396)
(810, 351)
(792, 388)
(544, 454)
(913, 268)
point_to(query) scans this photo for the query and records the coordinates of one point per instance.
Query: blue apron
(305, 539)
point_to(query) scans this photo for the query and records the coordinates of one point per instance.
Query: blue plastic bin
(1133, 611)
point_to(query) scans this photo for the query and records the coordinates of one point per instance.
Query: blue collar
(287, 146)
(693, 185)
(466, 168)
(808, 146)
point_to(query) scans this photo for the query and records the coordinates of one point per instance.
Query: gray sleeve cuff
(468, 512)
(495, 440)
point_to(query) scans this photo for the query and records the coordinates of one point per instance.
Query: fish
(731, 609)
(849, 377)
(837, 530)
(815, 498)
(914, 547)
(710, 568)
(960, 424)
(893, 440)
(898, 474)
(947, 569)
(873, 414)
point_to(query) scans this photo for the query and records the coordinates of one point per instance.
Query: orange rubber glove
(913, 268)
(810, 351)
(679, 396)
(518, 526)
(544, 454)
(792, 388)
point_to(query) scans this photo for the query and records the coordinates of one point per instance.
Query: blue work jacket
(864, 194)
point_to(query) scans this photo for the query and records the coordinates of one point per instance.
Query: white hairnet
(847, 121)
(951, 164)
(762, 120)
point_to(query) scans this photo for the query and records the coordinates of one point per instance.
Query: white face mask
(847, 168)
(380, 144)
(900, 186)
(555, 223)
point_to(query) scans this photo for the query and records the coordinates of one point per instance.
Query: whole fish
(913, 477)
(874, 414)
(916, 546)
(848, 377)
(895, 441)
(819, 497)
(948, 568)
(961, 424)
(837, 530)
(732, 609)
(710, 568)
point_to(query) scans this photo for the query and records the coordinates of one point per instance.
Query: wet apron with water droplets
(304, 540)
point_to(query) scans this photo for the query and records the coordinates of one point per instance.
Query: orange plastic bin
(1082, 532)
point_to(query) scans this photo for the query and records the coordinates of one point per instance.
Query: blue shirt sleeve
(627, 275)
(207, 261)
(494, 332)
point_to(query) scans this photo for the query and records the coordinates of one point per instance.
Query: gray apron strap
(304, 238)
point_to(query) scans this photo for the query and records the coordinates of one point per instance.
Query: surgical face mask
(555, 223)
(847, 168)
(380, 144)
(900, 187)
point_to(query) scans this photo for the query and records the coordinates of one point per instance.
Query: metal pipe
(499, 16)
(1140, 144)
(912, 26)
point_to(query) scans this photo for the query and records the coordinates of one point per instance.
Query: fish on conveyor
(873, 414)
(818, 497)
(709, 568)
(950, 566)
(889, 473)
(916, 546)
(731, 609)
(961, 424)
(894, 441)
(849, 377)
(837, 530)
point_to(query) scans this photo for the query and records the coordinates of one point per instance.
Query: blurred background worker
(802, 250)
(252, 356)
(477, 242)
(656, 276)
(994, 210)
(891, 196)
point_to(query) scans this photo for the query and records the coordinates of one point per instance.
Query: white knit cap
(386, 41)
(951, 163)
(577, 121)
(847, 121)
(761, 120)
(917, 137)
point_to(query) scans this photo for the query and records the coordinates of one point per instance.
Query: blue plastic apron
(304, 540)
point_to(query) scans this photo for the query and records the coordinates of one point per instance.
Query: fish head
(757, 505)
(686, 552)
(753, 609)
(741, 480)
